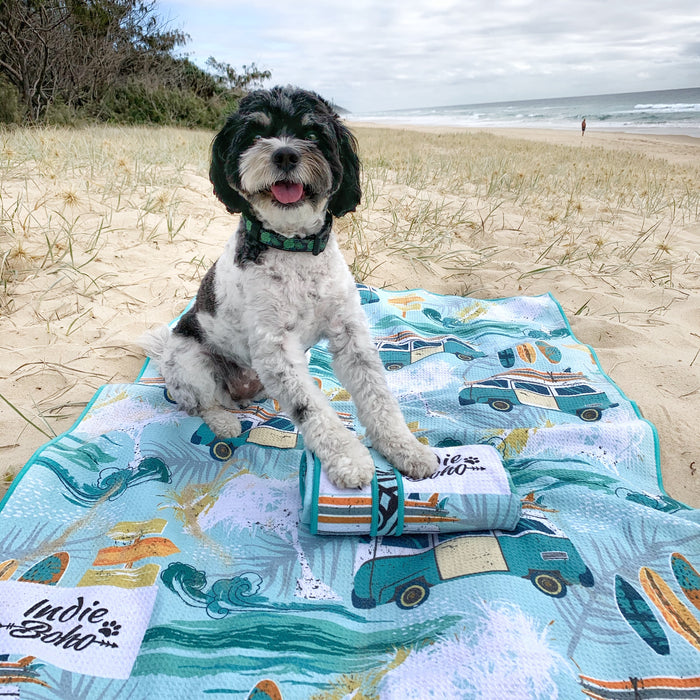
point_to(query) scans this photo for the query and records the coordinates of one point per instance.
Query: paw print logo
(474, 464)
(109, 629)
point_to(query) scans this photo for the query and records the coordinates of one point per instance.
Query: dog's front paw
(416, 460)
(351, 468)
(222, 423)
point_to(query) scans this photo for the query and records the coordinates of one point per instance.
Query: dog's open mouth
(287, 192)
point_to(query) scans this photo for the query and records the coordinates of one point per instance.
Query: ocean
(657, 112)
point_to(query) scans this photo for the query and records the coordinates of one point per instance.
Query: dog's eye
(257, 132)
(311, 135)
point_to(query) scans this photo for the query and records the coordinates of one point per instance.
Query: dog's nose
(285, 158)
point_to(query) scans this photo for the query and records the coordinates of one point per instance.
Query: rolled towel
(470, 490)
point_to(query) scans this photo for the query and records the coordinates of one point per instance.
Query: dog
(288, 165)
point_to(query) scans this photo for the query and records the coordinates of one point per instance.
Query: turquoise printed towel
(596, 593)
(470, 490)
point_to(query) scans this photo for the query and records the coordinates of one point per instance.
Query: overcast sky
(371, 55)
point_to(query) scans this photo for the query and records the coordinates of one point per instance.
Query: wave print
(280, 642)
(235, 594)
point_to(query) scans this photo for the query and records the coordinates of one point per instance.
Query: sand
(672, 148)
(106, 232)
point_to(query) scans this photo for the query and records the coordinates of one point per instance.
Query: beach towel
(470, 490)
(143, 557)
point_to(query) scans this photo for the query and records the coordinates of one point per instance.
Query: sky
(375, 55)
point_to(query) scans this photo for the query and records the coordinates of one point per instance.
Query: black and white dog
(286, 162)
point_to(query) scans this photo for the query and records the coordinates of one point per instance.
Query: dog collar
(311, 244)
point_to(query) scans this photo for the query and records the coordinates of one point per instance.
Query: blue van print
(260, 427)
(405, 348)
(568, 392)
(404, 569)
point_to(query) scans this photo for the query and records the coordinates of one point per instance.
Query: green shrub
(59, 113)
(10, 112)
(135, 103)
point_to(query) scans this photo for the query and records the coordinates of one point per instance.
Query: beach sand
(106, 232)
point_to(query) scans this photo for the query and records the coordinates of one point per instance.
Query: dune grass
(453, 204)
(62, 190)
(435, 200)
(105, 224)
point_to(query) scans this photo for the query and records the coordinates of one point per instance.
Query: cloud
(401, 53)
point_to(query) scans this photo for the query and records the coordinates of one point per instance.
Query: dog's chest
(304, 291)
(285, 294)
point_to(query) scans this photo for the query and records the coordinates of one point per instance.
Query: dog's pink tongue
(287, 192)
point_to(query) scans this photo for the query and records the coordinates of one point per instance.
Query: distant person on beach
(583, 126)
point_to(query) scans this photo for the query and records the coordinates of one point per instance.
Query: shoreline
(688, 132)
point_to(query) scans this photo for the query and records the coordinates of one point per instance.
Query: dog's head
(286, 158)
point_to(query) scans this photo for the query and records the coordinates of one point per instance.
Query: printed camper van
(259, 427)
(277, 432)
(404, 569)
(568, 392)
(405, 348)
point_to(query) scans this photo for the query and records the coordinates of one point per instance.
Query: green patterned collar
(311, 244)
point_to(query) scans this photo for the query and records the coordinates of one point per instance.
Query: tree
(110, 60)
(28, 38)
(230, 79)
(76, 49)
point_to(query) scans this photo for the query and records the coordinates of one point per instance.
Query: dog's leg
(190, 376)
(358, 367)
(281, 365)
(222, 423)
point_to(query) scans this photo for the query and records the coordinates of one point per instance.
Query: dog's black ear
(218, 170)
(348, 194)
